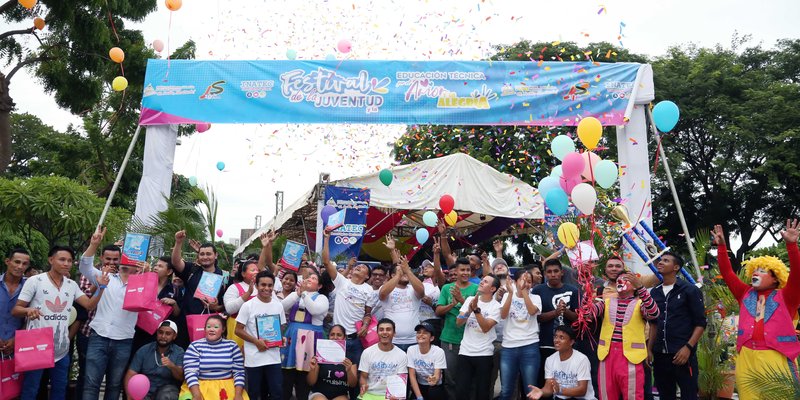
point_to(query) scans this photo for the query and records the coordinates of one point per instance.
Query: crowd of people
(433, 333)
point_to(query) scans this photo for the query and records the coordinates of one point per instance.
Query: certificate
(330, 351)
(209, 286)
(268, 328)
(396, 386)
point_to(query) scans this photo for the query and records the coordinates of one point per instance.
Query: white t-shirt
(54, 305)
(350, 302)
(110, 320)
(380, 365)
(521, 328)
(377, 308)
(427, 312)
(425, 364)
(476, 343)
(402, 307)
(667, 288)
(569, 372)
(252, 309)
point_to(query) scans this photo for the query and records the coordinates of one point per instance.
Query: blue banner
(347, 239)
(386, 92)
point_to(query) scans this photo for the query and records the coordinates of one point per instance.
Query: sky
(262, 159)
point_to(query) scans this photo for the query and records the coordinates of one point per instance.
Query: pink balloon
(219, 232)
(344, 46)
(158, 45)
(138, 386)
(588, 172)
(202, 127)
(569, 183)
(572, 165)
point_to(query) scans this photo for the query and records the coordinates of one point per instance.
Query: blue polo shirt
(147, 362)
(8, 324)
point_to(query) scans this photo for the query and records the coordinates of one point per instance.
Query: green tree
(734, 151)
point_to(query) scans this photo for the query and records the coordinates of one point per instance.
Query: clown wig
(768, 263)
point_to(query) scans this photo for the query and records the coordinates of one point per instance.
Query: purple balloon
(326, 212)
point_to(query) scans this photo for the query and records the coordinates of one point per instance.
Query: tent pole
(119, 177)
(663, 156)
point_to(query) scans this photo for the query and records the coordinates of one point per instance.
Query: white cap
(170, 324)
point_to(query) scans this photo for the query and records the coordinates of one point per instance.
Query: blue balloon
(220, 165)
(666, 115)
(430, 219)
(547, 184)
(557, 201)
(326, 212)
(330, 57)
(193, 180)
(422, 235)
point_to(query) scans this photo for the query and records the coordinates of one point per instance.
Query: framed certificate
(268, 328)
(330, 351)
(396, 386)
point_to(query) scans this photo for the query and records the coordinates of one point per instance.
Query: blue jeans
(353, 350)
(58, 381)
(264, 380)
(105, 357)
(518, 361)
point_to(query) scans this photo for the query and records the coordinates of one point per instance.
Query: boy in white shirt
(519, 357)
(380, 362)
(567, 372)
(426, 364)
(401, 296)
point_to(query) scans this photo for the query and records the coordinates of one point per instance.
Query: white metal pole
(663, 156)
(119, 177)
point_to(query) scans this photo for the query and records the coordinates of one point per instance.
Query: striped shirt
(213, 360)
(649, 310)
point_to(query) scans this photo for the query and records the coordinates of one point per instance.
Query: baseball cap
(170, 324)
(427, 326)
(498, 261)
(425, 263)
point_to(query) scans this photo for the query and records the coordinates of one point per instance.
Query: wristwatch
(477, 310)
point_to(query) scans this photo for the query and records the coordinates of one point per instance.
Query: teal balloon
(220, 165)
(330, 57)
(557, 201)
(193, 180)
(291, 54)
(422, 235)
(561, 146)
(666, 115)
(386, 177)
(547, 184)
(606, 173)
(429, 218)
(556, 172)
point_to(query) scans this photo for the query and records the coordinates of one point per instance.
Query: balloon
(326, 212)
(567, 184)
(557, 172)
(666, 115)
(557, 201)
(584, 197)
(422, 235)
(219, 232)
(386, 177)
(588, 172)
(430, 218)
(174, 5)
(38, 23)
(451, 218)
(547, 184)
(572, 166)
(116, 54)
(138, 386)
(193, 180)
(202, 127)
(119, 83)
(291, 54)
(27, 3)
(220, 165)
(158, 45)
(330, 57)
(344, 46)
(606, 173)
(568, 234)
(446, 203)
(590, 130)
(561, 146)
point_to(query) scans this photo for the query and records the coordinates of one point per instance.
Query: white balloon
(584, 197)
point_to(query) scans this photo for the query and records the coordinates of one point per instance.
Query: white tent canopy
(476, 187)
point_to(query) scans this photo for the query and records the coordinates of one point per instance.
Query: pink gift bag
(196, 324)
(141, 294)
(33, 349)
(149, 321)
(372, 332)
(10, 380)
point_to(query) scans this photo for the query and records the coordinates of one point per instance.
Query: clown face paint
(763, 279)
(623, 285)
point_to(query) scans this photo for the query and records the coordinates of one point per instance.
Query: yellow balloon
(451, 218)
(568, 234)
(116, 54)
(119, 83)
(27, 3)
(590, 130)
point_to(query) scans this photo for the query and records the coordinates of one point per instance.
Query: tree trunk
(6, 106)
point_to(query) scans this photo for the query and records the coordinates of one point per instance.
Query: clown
(767, 342)
(621, 348)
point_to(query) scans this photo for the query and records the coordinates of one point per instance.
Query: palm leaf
(772, 384)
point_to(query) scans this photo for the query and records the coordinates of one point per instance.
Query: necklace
(57, 286)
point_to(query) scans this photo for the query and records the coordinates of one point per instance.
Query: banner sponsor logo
(168, 90)
(347, 239)
(256, 89)
(213, 91)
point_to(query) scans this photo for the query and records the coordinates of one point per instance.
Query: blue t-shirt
(550, 298)
(147, 361)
